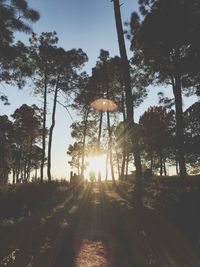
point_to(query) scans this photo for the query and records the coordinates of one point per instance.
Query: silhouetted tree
(27, 132)
(43, 65)
(6, 128)
(15, 16)
(74, 151)
(157, 127)
(129, 98)
(167, 40)
(192, 136)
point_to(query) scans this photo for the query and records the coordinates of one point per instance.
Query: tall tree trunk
(164, 166)
(177, 169)
(100, 129)
(28, 169)
(107, 157)
(44, 130)
(13, 176)
(36, 174)
(177, 90)
(129, 101)
(84, 139)
(124, 139)
(99, 139)
(53, 121)
(110, 146)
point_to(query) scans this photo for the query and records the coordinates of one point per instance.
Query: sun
(97, 165)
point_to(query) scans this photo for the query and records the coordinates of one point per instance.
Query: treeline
(45, 67)
(164, 40)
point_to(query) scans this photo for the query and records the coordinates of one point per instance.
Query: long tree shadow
(46, 232)
(97, 237)
(66, 256)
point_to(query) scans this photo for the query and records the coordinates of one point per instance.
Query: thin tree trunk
(35, 174)
(28, 169)
(177, 90)
(44, 130)
(177, 170)
(100, 129)
(164, 166)
(13, 176)
(53, 121)
(99, 139)
(107, 157)
(124, 139)
(110, 146)
(129, 101)
(84, 139)
(161, 164)
(151, 161)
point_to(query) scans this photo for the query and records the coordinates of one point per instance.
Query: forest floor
(100, 228)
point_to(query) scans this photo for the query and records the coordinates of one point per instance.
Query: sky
(86, 24)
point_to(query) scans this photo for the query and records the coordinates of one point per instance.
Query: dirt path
(95, 240)
(100, 228)
(110, 233)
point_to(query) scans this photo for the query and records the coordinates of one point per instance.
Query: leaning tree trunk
(84, 139)
(129, 101)
(44, 130)
(53, 121)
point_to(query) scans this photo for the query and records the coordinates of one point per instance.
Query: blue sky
(86, 24)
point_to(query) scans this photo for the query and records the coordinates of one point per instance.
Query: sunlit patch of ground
(92, 254)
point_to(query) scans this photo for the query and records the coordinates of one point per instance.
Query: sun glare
(97, 164)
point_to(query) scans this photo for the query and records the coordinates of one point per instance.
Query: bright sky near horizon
(86, 24)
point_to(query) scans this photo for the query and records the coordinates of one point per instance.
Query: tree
(43, 65)
(83, 132)
(157, 125)
(27, 131)
(15, 16)
(192, 136)
(5, 148)
(55, 69)
(167, 40)
(66, 65)
(75, 152)
(129, 98)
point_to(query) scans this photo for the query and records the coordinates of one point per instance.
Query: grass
(17, 201)
(100, 222)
